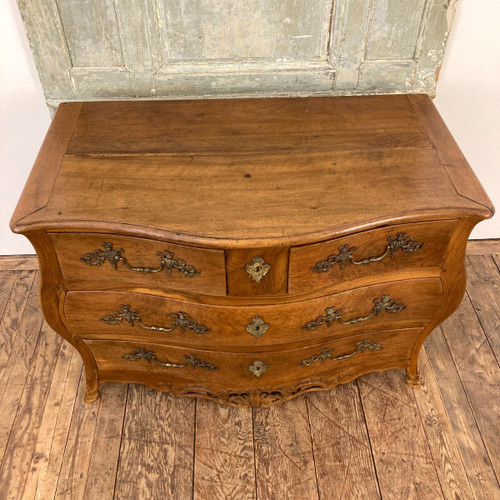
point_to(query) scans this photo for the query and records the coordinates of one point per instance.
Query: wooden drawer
(370, 254)
(136, 316)
(212, 371)
(257, 271)
(106, 261)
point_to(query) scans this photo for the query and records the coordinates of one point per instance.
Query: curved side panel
(52, 295)
(454, 281)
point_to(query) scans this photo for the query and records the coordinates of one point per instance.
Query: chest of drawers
(249, 250)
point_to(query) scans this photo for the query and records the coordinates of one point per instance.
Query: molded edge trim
(125, 229)
(453, 160)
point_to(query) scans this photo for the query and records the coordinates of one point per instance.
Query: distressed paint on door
(128, 49)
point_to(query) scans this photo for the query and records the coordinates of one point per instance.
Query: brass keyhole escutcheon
(258, 368)
(257, 327)
(258, 268)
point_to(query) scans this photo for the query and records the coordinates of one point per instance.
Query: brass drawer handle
(385, 303)
(179, 320)
(406, 244)
(115, 255)
(326, 353)
(189, 360)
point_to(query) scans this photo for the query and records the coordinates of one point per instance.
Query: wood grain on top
(256, 171)
(247, 125)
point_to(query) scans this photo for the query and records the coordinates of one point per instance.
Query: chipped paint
(433, 54)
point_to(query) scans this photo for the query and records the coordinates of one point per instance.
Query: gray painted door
(102, 49)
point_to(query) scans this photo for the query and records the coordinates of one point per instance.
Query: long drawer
(200, 372)
(109, 262)
(150, 318)
(369, 254)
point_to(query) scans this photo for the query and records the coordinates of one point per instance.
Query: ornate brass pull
(406, 244)
(326, 353)
(149, 356)
(257, 327)
(179, 320)
(258, 268)
(115, 255)
(385, 303)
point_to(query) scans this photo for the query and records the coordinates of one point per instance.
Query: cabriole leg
(92, 387)
(412, 376)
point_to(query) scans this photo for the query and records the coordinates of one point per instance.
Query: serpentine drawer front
(371, 254)
(150, 318)
(207, 373)
(108, 262)
(250, 250)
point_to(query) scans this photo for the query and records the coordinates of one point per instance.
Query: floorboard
(342, 450)
(46, 461)
(479, 373)
(224, 459)
(284, 461)
(157, 449)
(18, 262)
(483, 285)
(101, 477)
(372, 438)
(7, 281)
(403, 461)
(439, 434)
(22, 439)
(475, 457)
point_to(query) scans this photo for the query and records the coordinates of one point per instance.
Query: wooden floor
(372, 438)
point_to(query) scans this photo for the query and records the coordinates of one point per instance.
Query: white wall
(468, 95)
(468, 98)
(24, 119)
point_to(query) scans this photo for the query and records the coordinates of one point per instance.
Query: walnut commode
(249, 250)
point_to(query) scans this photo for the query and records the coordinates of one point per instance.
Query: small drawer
(106, 261)
(369, 255)
(257, 271)
(206, 372)
(149, 318)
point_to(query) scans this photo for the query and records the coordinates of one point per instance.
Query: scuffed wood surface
(475, 457)
(224, 452)
(479, 372)
(203, 48)
(30, 411)
(439, 433)
(384, 440)
(284, 459)
(341, 445)
(46, 461)
(16, 263)
(484, 292)
(483, 247)
(157, 449)
(402, 458)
